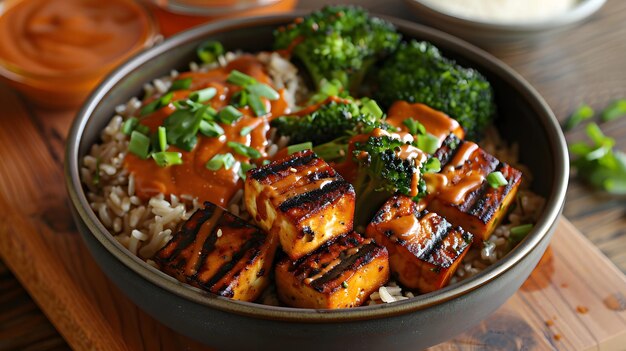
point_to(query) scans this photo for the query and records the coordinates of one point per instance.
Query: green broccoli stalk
(417, 72)
(334, 119)
(338, 42)
(384, 170)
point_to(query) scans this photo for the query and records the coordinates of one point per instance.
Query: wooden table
(584, 64)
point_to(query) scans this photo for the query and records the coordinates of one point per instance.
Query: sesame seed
(219, 233)
(292, 170)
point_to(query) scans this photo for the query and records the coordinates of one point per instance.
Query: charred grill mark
(442, 229)
(187, 235)
(438, 246)
(329, 173)
(448, 149)
(297, 160)
(489, 201)
(318, 198)
(207, 247)
(228, 266)
(364, 256)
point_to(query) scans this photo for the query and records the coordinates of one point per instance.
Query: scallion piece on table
(211, 128)
(244, 150)
(181, 84)
(433, 165)
(130, 125)
(263, 90)
(496, 179)
(238, 78)
(415, 127)
(292, 149)
(428, 143)
(167, 158)
(245, 130)
(203, 95)
(139, 145)
(229, 114)
(162, 133)
(615, 110)
(370, 106)
(582, 113)
(219, 161)
(209, 51)
(257, 105)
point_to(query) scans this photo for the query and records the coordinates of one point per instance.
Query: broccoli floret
(334, 119)
(338, 42)
(417, 72)
(382, 172)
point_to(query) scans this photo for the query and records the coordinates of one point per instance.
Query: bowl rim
(553, 206)
(580, 11)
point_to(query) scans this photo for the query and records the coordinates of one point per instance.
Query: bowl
(410, 324)
(56, 52)
(491, 33)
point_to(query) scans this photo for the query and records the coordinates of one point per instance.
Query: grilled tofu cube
(220, 253)
(340, 274)
(461, 192)
(424, 249)
(301, 199)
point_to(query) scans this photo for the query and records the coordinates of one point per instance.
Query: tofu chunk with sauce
(302, 200)
(424, 249)
(220, 253)
(461, 193)
(340, 274)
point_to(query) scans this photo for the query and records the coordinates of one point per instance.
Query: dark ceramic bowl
(411, 324)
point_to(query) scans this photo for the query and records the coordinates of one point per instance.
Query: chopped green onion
(582, 113)
(266, 162)
(244, 168)
(149, 108)
(162, 138)
(519, 232)
(203, 94)
(244, 150)
(245, 130)
(139, 144)
(428, 143)
(257, 105)
(331, 151)
(240, 98)
(209, 51)
(616, 109)
(522, 229)
(220, 160)
(292, 149)
(344, 284)
(165, 99)
(229, 114)
(238, 78)
(211, 129)
(130, 125)
(371, 107)
(433, 165)
(181, 84)
(167, 158)
(496, 179)
(263, 90)
(143, 129)
(415, 127)
(326, 89)
(182, 127)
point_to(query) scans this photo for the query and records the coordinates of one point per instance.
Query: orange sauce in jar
(56, 51)
(192, 177)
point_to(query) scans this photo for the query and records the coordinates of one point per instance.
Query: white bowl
(488, 33)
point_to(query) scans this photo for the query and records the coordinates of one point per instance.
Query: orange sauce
(436, 122)
(66, 46)
(192, 177)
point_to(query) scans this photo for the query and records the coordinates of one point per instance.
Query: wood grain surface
(584, 64)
